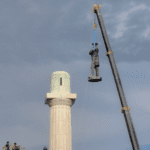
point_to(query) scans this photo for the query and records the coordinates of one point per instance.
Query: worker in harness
(45, 148)
(15, 147)
(6, 146)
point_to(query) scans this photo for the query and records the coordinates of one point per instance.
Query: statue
(95, 60)
(94, 64)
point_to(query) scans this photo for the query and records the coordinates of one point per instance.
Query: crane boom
(125, 109)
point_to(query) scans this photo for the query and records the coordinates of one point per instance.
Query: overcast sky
(38, 37)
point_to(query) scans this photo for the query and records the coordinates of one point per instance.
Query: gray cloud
(43, 37)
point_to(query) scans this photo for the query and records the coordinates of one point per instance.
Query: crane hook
(94, 26)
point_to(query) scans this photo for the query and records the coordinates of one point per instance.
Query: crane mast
(109, 53)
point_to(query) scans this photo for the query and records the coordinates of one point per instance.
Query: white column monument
(60, 99)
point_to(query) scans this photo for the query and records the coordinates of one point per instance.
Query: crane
(109, 53)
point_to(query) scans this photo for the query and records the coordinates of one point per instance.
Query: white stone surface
(60, 137)
(60, 128)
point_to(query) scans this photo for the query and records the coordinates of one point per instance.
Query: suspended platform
(94, 79)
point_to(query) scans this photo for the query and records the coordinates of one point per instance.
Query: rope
(94, 31)
(86, 91)
(83, 102)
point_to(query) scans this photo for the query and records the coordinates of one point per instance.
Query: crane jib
(125, 108)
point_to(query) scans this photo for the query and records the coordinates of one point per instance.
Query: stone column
(60, 101)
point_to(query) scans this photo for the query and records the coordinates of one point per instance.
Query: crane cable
(94, 32)
(86, 91)
(87, 85)
(85, 114)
